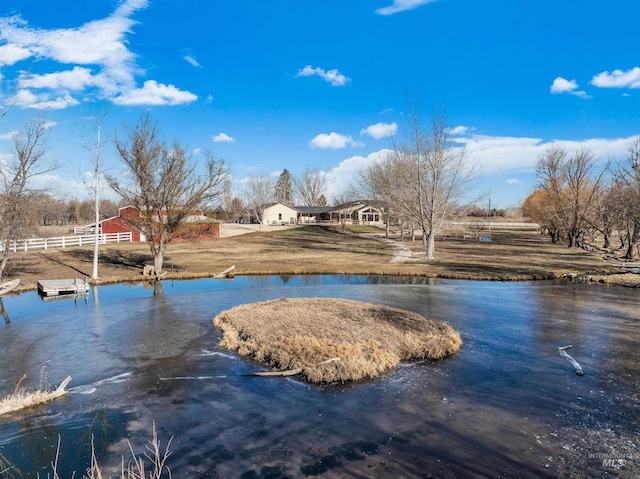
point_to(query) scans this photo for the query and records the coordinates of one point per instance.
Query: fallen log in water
(289, 372)
(574, 363)
(226, 273)
(22, 399)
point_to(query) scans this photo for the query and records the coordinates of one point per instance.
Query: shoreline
(629, 280)
(513, 255)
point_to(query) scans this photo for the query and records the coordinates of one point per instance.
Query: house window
(280, 216)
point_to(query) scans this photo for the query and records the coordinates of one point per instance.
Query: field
(513, 254)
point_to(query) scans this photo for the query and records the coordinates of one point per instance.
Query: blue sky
(277, 84)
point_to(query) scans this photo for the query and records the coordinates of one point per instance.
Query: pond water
(506, 405)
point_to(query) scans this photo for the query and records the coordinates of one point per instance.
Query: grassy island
(305, 336)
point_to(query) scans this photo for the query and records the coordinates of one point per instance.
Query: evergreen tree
(284, 188)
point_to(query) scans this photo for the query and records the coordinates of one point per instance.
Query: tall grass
(151, 465)
(22, 397)
(369, 339)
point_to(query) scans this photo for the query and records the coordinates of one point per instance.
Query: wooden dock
(56, 287)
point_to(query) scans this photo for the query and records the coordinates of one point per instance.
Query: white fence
(494, 223)
(67, 241)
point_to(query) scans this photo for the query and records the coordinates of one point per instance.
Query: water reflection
(506, 405)
(4, 313)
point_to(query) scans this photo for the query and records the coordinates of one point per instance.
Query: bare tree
(343, 205)
(429, 175)
(258, 195)
(628, 186)
(373, 183)
(164, 184)
(572, 185)
(232, 206)
(28, 161)
(310, 186)
(538, 207)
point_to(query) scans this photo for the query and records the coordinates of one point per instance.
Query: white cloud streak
(223, 138)
(402, 6)
(334, 77)
(102, 63)
(562, 85)
(192, 61)
(380, 130)
(334, 141)
(618, 79)
(154, 93)
(9, 136)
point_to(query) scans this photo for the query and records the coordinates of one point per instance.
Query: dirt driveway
(235, 229)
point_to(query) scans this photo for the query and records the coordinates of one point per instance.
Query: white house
(277, 214)
(355, 212)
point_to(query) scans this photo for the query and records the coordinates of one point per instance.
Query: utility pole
(489, 217)
(96, 196)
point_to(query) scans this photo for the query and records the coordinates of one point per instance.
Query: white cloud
(332, 76)
(333, 140)
(495, 155)
(618, 79)
(127, 7)
(99, 42)
(380, 130)
(562, 85)
(43, 101)
(11, 54)
(24, 98)
(154, 93)
(339, 178)
(58, 103)
(9, 136)
(223, 138)
(77, 79)
(503, 154)
(209, 98)
(99, 53)
(62, 187)
(191, 60)
(459, 130)
(401, 6)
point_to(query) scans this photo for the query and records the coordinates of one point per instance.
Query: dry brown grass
(22, 398)
(513, 255)
(368, 338)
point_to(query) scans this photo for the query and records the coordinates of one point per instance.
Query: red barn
(197, 226)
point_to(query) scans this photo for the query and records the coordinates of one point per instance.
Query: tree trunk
(431, 246)
(634, 237)
(158, 261)
(3, 263)
(386, 224)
